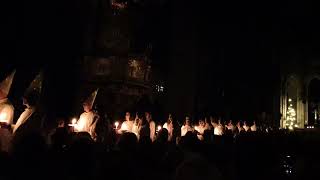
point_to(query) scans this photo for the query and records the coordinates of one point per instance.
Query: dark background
(223, 58)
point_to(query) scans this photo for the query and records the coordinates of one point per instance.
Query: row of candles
(116, 124)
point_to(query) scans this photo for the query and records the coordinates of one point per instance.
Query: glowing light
(290, 99)
(124, 127)
(3, 117)
(159, 88)
(74, 121)
(159, 128)
(116, 124)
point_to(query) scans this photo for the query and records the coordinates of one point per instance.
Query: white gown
(24, 117)
(136, 129)
(218, 130)
(200, 130)
(246, 128)
(126, 126)
(86, 123)
(169, 127)
(152, 127)
(6, 111)
(185, 129)
(253, 128)
(6, 115)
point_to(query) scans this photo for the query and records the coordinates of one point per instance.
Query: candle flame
(74, 121)
(116, 124)
(159, 128)
(3, 117)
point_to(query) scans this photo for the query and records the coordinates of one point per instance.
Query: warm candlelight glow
(74, 121)
(116, 124)
(159, 128)
(3, 117)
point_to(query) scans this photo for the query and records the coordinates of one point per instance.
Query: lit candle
(3, 117)
(116, 124)
(73, 122)
(159, 128)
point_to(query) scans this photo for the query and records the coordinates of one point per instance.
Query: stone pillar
(300, 105)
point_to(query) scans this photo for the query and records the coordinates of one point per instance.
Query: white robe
(23, 117)
(218, 130)
(6, 111)
(246, 128)
(86, 123)
(152, 127)
(231, 127)
(6, 116)
(185, 129)
(200, 130)
(253, 128)
(136, 129)
(126, 126)
(169, 127)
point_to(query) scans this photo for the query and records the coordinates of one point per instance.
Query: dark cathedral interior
(228, 62)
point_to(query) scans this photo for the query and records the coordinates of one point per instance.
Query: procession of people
(139, 144)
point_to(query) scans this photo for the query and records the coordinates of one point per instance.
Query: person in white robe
(25, 115)
(30, 100)
(200, 128)
(127, 125)
(253, 127)
(245, 126)
(136, 126)
(6, 113)
(169, 126)
(152, 126)
(239, 127)
(219, 129)
(88, 119)
(207, 124)
(186, 127)
(6, 108)
(230, 126)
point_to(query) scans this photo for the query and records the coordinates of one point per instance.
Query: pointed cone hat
(90, 100)
(35, 86)
(5, 85)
